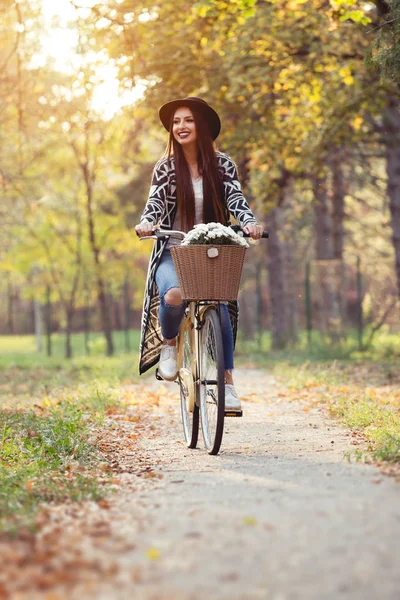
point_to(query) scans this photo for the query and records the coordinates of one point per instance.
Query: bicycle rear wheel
(212, 382)
(188, 388)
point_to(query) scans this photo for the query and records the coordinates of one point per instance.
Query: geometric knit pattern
(160, 209)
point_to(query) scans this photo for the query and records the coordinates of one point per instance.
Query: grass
(48, 409)
(47, 454)
(377, 416)
(385, 347)
(19, 346)
(26, 373)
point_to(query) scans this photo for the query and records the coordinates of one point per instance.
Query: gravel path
(280, 514)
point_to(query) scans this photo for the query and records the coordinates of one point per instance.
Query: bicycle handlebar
(162, 233)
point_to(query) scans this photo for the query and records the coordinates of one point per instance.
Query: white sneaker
(232, 401)
(168, 367)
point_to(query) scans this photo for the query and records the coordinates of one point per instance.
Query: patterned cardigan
(161, 208)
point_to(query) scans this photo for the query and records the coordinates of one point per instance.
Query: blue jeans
(170, 317)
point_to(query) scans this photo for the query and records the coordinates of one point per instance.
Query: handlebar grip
(265, 234)
(238, 229)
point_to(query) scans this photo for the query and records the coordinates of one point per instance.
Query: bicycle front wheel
(188, 388)
(212, 382)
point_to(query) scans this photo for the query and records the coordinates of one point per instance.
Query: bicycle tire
(188, 389)
(212, 382)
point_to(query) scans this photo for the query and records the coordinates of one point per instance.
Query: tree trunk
(101, 292)
(246, 320)
(328, 282)
(259, 303)
(86, 321)
(117, 313)
(68, 348)
(105, 313)
(10, 305)
(37, 313)
(276, 278)
(290, 267)
(338, 195)
(392, 141)
(323, 220)
(338, 189)
(127, 314)
(48, 320)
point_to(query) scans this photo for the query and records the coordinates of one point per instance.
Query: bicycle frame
(194, 319)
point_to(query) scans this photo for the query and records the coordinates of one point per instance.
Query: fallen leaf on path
(153, 554)
(249, 521)
(193, 534)
(152, 476)
(229, 577)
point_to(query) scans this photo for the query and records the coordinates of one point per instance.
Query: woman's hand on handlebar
(144, 228)
(255, 230)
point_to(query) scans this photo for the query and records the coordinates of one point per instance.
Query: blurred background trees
(308, 93)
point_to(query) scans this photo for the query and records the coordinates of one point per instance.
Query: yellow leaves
(358, 16)
(152, 475)
(357, 123)
(131, 418)
(253, 397)
(249, 521)
(294, 4)
(153, 554)
(345, 73)
(143, 395)
(291, 162)
(264, 88)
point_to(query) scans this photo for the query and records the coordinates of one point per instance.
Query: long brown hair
(213, 191)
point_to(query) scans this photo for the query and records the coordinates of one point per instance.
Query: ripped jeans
(170, 317)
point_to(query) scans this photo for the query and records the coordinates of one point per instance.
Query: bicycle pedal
(234, 413)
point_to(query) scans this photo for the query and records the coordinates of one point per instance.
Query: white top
(198, 203)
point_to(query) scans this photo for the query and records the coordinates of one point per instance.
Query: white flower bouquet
(213, 234)
(209, 262)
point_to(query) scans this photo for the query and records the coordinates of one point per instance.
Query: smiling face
(183, 126)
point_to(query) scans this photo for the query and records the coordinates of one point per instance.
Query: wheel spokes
(210, 385)
(189, 410)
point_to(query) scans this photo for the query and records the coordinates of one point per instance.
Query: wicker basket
(207, 272)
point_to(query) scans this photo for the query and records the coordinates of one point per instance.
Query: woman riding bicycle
(192, 184)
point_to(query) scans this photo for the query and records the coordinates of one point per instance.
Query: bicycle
(201, 370)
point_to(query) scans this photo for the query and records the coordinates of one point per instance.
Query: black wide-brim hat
(197, 104)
